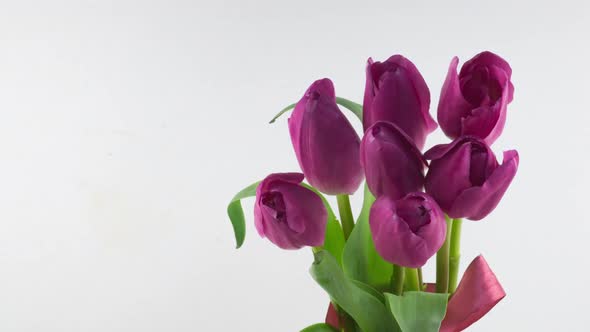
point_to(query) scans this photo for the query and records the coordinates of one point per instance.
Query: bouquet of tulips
(414, 202)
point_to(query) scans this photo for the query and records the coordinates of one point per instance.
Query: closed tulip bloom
(326, 144)
(395, 91)
(288, 214)
(393, 165)
(408, 231)
(475, 101)
(465, 178)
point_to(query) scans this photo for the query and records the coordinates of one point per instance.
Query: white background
(126, 127)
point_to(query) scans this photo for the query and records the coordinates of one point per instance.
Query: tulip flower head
(395, 91)
(325, 143)
(393, 165)
(411, 214)
(408, 231)
(475, 101)
(465, 178)
(288, 214)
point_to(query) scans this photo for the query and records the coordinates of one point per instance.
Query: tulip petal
(448, 174)
(370, 90)
(420, 86)
(488, 122)
(478, 292)
(487, 59)
(304, 207)
(288, 214)
(475, 101)
(481, 120)
(477, 202)
(396, 92)
(326, 144)
(395, 240)
(452, 106)
(294, 178)
(393, 165)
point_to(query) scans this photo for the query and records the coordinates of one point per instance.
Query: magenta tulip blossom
(465, 178)
(288, 214)
(393, 165)
(475, 101)
(408, 231)
(396, 92)
(326, 144)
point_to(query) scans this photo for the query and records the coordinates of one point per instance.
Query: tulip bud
(326, 145)
(408, 231)
(288, 214)
(393, 164)
(396, 92)
(465, 178)
(474, 102)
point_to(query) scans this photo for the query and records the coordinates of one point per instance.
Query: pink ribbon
(478, 292)
(332, 317)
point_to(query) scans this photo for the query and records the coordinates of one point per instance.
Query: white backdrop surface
(126, 126)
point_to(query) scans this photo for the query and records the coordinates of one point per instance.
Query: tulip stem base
(420, 279)
(455, 254)
(412, 280)
(345, 214)
(442, 261)
(397, 280)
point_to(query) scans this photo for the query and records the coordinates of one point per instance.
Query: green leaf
(367, 288)
(321, 327)
(368, 312)
(283, 111)
(418, 311)
(334, 241)
(355, 108)
(360, 260)
(236, 213)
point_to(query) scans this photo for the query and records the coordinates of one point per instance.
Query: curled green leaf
(321, 327)
(283, 111)
(236, 213)
(355, 108)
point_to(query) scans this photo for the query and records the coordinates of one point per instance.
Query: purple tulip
(326, 145)
(288, 214)
(408, 231)
(396, 92)
(393, 164)
(465, 178)
(474, 102)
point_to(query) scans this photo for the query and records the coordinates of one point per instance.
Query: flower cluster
(415, 197)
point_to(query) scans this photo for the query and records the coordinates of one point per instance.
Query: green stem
(442, 262)
(455, 255)
(397, 280)
(345, 215)
(420, 280)
(412, 280)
